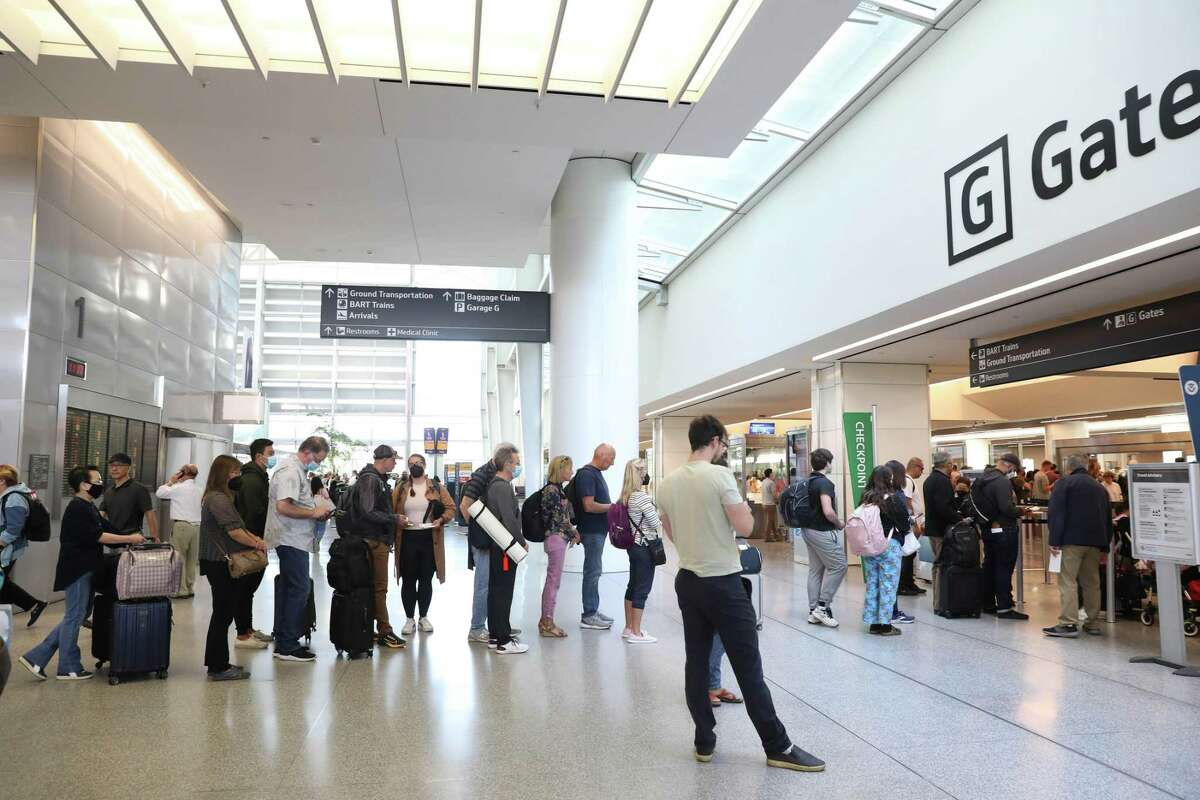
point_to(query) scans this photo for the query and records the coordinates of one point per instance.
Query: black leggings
(224, 600)
(12, 593)
(417, 568)
(243, 610)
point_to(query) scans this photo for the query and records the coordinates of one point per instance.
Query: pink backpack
(864, 531)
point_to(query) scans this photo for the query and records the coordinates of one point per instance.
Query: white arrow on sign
(329, 292)
(1107, 324)
(328, 329)
(446, 295)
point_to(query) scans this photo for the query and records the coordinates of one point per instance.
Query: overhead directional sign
(1149, 331)
(405, 312)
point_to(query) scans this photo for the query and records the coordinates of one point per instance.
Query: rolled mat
(495, 529)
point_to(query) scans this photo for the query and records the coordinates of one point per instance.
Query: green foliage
(341, 445)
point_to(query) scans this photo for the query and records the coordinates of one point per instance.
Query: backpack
(37, 521)
(349, 565)
(960, 545)
(533, 523)
(620, 526)
(864, 531)
(795, 505)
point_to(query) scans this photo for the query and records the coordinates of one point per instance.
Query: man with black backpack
(819, 523)
(999, 518)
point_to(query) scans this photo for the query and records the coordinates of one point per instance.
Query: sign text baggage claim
(487, 303)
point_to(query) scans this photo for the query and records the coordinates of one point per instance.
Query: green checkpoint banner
(860, 451)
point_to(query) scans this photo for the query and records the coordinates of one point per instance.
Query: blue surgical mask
(517, 471)
(271, 462)
(312, 466)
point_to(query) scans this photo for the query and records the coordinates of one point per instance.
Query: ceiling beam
(475, 46)
(172, 32)
(252, 40)
(97, 34)
(894, 10)
(679, 85)
(329, 52)
(400, 43)
(613, 79)
(20, 32)
(552, 48)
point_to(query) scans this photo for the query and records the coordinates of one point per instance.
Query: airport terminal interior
(761, 270)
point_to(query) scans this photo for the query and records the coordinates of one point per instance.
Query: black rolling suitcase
(350, 623)
(141, 638)
(959, 591)
(102, 627)
(308, 618)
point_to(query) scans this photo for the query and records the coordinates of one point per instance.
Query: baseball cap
(1011, 458)
(384, 451)
(121, 458)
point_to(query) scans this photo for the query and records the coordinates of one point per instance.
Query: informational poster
(762, 428)
(39, 471)
(860, 451)
(430, 445)
(442, 444)
(464, 471)
(1163, 512)
(797, 452)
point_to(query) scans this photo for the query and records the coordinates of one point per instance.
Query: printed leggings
(882, 574)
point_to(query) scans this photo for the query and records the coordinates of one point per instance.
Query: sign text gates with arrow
(406, 312)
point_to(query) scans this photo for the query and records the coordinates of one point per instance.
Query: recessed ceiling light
(265, 138)
(314, 140)
(715, 391)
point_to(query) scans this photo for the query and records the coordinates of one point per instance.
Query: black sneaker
(1011, 613)
(887, 630)
(87, 623)
(299, 654)
(390, 639)
(704, 753)
(231, 673)
(909, 591)
(35, 612)
(988, 610)
(796, 759)
(38, 672)
(1062, 631)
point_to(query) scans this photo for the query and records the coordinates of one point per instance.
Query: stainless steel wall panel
(101, 152)
(204, 329)
(173, 357)
(178, 265)
(175, 310)
(49, 298)
(53, 246)
(61, 129)
(200, 368)
(142, 238)
(14, 299)
(58, 170)
(136, 384)
(226, 340)
(38, 432)
(146, 194)
(206, 288)
(137, 342)
(140, 289)
(95, 264)
(101, 372)
(230, 303)
(18, 157)
(224, 377)
(16, 224)
(12, 367)
(99, 322)
(44, 371)
(96, 203)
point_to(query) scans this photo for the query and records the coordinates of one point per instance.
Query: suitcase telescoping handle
(151, 546)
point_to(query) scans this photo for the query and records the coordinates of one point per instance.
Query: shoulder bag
(243, 562)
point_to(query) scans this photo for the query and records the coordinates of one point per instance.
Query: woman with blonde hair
(643, 516)
(560, 534)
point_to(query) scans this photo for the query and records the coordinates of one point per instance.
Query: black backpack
(960, 545)
(37, 522)
(533, 524)
(795, 505)
(349, 565)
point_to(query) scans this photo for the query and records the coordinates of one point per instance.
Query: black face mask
(645, 480)
(235, 483)
(96, 490)
(416, 471)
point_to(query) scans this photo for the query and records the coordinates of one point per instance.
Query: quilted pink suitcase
(148, 570)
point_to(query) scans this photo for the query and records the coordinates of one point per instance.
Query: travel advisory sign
(406, 312)
(1155, 329)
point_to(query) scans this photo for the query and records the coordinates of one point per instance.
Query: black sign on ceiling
(406, 312)
(1157, 329)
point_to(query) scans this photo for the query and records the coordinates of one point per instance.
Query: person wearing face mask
(644, 517)
(426, 507)
(560, 534)
(14, 512)
(251, 499)
(184, 495)
(222, 533)
(81, 537)
(999, 516)
(292, 513)
(501, 500)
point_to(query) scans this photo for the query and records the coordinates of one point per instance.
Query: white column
(1055, 433)
(529, 377)
(671, 446)
(977, 453)
(593, 321)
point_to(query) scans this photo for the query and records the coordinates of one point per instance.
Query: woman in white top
(420, 545)
(1112, 487)
(644, 518)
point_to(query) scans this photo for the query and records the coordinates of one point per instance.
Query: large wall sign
(1189, 383)
(1163, 522)
(978, 193)
(860, 451)
(1155, 329)
(405, 312)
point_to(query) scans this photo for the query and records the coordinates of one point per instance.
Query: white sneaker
(425, 625)
(410, 626)
(512, 648)
(250, 643)
(478, 637)
(822, 616)
(645, 638)
(625, 634)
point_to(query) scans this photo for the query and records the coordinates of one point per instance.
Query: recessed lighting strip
(1016, 290)
(715, 391)
(790, 413)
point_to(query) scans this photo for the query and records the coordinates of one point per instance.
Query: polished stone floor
(962, 709)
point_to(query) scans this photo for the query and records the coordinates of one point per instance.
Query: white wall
(860, 227)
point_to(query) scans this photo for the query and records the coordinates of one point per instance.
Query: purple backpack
(620, 527)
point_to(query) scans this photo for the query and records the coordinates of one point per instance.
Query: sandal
(550, 630)
(724, 696)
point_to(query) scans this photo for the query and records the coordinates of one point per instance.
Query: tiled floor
(964, 709)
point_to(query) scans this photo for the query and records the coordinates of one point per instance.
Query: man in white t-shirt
(184, 496)
(770, 510)
(701, 509)
(916, 510)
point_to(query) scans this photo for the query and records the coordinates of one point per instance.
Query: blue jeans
(65, 637)
(641, 575)
(714, 664)
(293, 568)
(318, 534)
(479, 603)
(593, 566)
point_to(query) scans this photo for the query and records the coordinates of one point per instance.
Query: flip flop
(726, 696)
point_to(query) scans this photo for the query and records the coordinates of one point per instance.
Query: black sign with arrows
(405, 312)
(1157, 329)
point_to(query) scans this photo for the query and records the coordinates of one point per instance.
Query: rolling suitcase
(308, 619)
(102, 626)
(141, 638)
(959, 589)
(350, 623)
